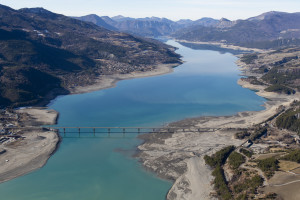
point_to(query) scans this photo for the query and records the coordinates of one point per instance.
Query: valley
(120, 73)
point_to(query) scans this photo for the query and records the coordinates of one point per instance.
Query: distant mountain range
(269, 30)
(44, 53)
(98, 21)
(148, 27)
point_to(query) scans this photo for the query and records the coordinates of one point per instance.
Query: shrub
(249, 58)
(268, 166)
(216, 161)
(294, 156)
(254, 81)
(235, 160)
(241, 135)
(258, 133)
(246, 152)
(220, 183)
(288, 120)
(249, 185)
(219, 158)
(242, 197)
(280, 89)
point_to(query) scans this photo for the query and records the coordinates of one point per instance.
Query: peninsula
(258, 137)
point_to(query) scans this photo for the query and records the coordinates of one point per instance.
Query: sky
(172, 9)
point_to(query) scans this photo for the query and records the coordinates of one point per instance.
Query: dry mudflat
(36, 145)
(33, 149)
(108, 81)
(179, 156)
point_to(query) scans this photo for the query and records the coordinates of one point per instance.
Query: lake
(103, 167)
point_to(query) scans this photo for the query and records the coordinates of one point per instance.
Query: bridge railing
(96, 131)
(125, 130)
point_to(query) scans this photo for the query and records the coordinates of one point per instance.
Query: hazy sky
(172, 9)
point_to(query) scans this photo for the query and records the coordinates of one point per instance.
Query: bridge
(94, 131)
(124, 130)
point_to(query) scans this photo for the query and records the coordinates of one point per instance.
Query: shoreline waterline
(188, 183)
(104, 82)
(126, 83)
(20, 157)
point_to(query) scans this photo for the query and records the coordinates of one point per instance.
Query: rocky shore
(108, 81)
(225, 46)
(178, 156)
(35, 145)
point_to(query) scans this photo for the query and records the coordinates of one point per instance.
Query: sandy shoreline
(223, 45)
(34, 149)
(179, 156)
(109, 81)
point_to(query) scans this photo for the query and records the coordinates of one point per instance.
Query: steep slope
(96, 20)
(206, 21)
(149, 26)
(44, 53)
(269, 30)
(153, 28)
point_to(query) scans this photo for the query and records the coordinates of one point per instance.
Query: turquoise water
(102, 168)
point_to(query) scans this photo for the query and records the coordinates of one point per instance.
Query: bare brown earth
(297, 171)
(285, 184)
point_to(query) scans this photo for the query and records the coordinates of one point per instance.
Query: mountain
(148, 26)
(121, 18)
(269, 30)
(154, 26)
(224, 23)
(96, 20)
(44, 54)
(185, 22)
(109, 20)
(266, 15)
(206, 21)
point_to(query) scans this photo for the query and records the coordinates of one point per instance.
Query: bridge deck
(116, 130)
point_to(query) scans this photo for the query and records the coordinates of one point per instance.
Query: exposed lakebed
(92, 168)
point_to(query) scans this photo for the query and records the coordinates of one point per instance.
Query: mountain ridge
(268, 30)
(95, 19)
(150, 26)
(44, 52)
(272, 29)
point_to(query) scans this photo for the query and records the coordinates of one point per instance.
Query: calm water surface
(102, 168)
